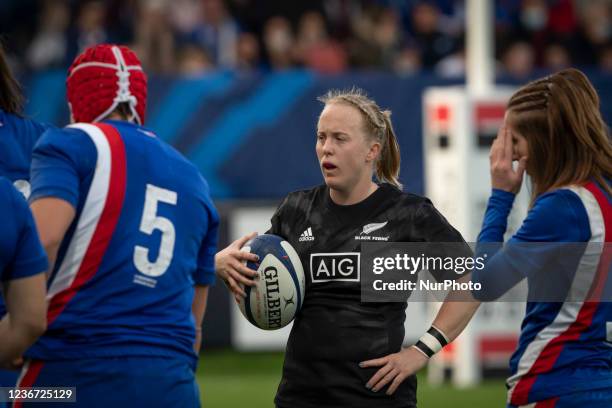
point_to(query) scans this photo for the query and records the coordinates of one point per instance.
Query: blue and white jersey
(144, 234)
(18, 136)
(21, 254)
(564, 347)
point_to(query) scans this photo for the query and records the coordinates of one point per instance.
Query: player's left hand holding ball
(230, 265)
(395, 368)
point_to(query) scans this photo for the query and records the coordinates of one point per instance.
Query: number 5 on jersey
(148, 224)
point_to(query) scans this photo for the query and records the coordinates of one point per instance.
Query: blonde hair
(378, 127)
(568, 141)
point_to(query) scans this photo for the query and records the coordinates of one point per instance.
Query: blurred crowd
(192, 37)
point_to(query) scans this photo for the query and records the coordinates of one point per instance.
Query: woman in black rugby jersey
(343, 352)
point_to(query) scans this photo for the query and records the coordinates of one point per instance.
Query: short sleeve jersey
(145, 232)
(334, 330)
(21, 254)
(18, 135)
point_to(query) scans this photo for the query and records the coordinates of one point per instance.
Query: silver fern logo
(368, 229)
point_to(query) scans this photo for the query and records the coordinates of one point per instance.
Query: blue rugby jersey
(145, 232)
(18, 135)
(564, 347)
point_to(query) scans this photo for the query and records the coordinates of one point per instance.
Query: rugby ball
(279, 293)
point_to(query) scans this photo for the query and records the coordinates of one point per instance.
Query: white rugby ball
(279, 293)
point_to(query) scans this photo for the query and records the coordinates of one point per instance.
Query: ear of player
(279, 293)
(432, 341)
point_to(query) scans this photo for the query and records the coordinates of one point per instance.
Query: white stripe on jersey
(89, 217)
(24, 370)
(583, 280)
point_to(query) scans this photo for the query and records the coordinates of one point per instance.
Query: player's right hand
(503, 175)
(230, 266)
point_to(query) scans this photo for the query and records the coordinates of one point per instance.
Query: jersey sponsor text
(326, 267)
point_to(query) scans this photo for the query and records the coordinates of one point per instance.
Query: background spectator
(315, 50)
(518, 60)
(279, 42)
(430, 39)
(49, 47)
(193, 61)
(248, 54)
(154, 37)
(89, 28)
(403, 36)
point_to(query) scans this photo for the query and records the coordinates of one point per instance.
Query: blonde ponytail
(388, 165)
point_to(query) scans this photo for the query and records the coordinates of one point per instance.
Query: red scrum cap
(101, 78)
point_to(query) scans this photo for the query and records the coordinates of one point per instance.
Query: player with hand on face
(130, 231)
(554, 130)
(343, 352)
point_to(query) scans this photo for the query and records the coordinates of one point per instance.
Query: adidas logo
(306, 235)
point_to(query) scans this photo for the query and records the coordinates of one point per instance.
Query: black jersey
(334, 330)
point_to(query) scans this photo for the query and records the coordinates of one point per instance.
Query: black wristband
(423, 347)
(438, 335)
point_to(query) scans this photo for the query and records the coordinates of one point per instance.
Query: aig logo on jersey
(342, 267)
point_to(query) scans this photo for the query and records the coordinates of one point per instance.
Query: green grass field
(230, 379)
